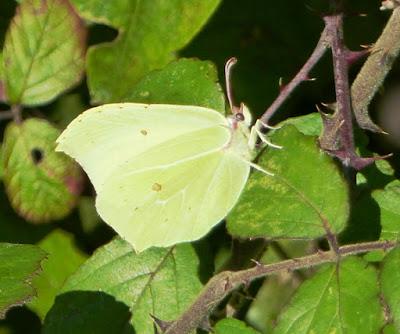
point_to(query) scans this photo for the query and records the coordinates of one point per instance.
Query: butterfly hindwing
(181, 202)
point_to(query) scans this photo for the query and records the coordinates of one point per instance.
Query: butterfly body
(163, 174)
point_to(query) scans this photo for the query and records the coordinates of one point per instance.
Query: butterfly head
(241, 117)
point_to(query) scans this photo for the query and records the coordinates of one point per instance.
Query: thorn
(228, 284)
(367, 46)
(323, 114)
(319, 109)
(358, 163)
(161, 324)
(310, 79)
(330, 106)
(356, 14)
(205, 325)
(281, 84)
(353, 56)
(257, 263)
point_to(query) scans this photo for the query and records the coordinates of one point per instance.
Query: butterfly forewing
(163, 174)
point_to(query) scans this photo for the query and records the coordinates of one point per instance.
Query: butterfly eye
(239, 117)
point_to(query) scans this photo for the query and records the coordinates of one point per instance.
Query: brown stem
(6, 115)
(225, 282)
(301, 76)
(334, 26)
(16, 112)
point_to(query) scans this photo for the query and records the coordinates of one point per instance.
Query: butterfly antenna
(229, 92)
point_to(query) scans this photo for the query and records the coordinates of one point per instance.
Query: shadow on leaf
(88, 312)
(364, 222)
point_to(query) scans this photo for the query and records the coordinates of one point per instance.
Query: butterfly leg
(260, 169)
(256, 131)
(269, 127)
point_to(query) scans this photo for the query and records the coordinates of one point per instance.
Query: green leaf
(390, 281)
(119, 282)
(233, 326)
(18, 265)
(309, 125)
(186, 82)
(335, 301)
(376, 176)
(150, 33)
(390, 329)
(63, 260)
(43, 52)
(88, 215)
(41, 184)
(388, 201)
(306, 192)
(2, 87)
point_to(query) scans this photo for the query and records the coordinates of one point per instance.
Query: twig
(301, 76)
(338, 136)
(16, 112)
(6, 115)
(224, 283)
(334, 25)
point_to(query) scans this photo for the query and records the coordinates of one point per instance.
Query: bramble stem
(225, 282)
(16, 112)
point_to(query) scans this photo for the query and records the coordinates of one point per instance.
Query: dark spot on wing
(144, 132)
(156, 187)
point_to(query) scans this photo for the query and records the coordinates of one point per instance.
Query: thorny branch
(225, 282)
(337, 138)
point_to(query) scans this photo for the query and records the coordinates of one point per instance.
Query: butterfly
(164, 174)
